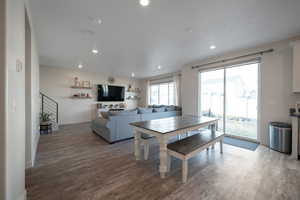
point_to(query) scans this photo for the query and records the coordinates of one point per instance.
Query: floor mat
(241, 143)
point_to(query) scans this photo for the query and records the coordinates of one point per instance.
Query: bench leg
(221, 146)
(184, 170)
(146, 150)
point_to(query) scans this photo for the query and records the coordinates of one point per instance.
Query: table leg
(213, 131)
(163, 156)
(137, 145)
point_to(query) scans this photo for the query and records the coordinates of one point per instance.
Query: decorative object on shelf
(122, 105)
(82, 96)
(86, 84)
(133, 97)
(81, 84)
(129, 88)
(134, 90)
(76, 82)
(111, 80)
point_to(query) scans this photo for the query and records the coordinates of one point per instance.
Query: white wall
(15, 96)
(55, 82)
(12, 107)
(32, 93)
(276, 85)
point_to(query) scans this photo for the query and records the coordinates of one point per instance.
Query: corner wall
(276, 86)
(56, 83)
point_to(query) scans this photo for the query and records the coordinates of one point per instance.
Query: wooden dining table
(166, 128)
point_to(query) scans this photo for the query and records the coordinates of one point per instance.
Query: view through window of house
(240, 93)
(162, 94)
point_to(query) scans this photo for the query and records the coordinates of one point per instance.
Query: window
(162, 94)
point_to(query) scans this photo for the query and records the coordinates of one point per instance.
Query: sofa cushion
(161, 109)
(122, 113)
(145, 110)
(170, 108)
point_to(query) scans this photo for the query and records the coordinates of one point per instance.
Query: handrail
(52, 100)
(48, 97)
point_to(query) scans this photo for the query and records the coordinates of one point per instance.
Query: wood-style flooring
(74, 164)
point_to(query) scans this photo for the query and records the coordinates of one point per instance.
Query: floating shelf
(81, 97)
(77, 87)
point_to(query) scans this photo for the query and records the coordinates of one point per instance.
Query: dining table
(166, 128)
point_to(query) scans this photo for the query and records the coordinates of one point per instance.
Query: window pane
(154, 89)
(212, 95)
(171, 94)
(241, 101)
(163, 94)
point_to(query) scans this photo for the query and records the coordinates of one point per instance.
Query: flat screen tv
(111, 93)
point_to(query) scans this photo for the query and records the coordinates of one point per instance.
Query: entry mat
(241, 143)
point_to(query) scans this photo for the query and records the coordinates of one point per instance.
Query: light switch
(19, 66)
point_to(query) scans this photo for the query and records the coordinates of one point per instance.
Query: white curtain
(176, 79)
(148, 93)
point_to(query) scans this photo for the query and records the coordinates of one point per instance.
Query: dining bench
(189, 147)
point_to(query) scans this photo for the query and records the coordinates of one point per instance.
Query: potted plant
(45, 118)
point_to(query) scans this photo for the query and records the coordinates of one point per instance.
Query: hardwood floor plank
(76, 164)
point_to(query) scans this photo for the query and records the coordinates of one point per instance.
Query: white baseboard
(31, 163)
(22, 196)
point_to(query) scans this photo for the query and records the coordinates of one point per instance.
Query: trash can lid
(281, 124)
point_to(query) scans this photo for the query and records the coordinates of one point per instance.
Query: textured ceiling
(169, 33)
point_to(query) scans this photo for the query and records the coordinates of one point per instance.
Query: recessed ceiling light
(144, 3)
(132, 74)
(99, 21)
(95, 51)
(158, 67)
(212, 47)
(80, 66)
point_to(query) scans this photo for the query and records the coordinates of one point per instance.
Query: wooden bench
(191, 146)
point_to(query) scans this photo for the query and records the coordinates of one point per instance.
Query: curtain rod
(164, 77)
(234, 58)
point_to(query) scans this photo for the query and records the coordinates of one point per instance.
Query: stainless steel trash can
(280, 137)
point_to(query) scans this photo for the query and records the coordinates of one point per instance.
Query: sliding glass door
(231, 94)
(212, 95)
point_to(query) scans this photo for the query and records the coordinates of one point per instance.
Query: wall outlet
(19, 66)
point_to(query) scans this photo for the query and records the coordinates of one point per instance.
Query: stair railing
(49, 105)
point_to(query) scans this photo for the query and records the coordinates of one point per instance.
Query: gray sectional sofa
(114, 126)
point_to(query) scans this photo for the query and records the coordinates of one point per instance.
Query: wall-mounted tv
(111, 93)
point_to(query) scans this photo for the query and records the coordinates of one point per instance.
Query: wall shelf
(75, 97)
(78, 87)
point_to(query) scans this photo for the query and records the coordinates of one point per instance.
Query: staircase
(49, 105)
